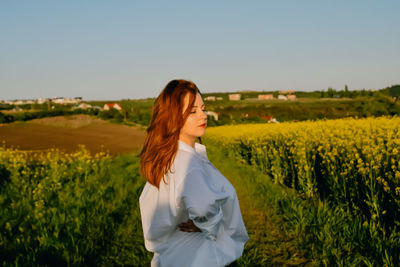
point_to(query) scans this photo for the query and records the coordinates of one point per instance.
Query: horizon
(206, 93)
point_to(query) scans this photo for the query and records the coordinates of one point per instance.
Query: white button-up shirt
(195, 190)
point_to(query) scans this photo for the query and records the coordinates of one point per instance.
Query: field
(78, 205)
(66, 133)
(307, 106)
(70, 209)
(350, 165)
(311, 193)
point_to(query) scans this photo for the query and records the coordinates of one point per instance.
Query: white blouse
(195, 190)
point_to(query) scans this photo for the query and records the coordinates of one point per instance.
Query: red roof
(113, 105)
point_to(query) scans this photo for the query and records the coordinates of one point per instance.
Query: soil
(67, 132)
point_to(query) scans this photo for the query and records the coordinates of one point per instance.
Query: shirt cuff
(209, 226)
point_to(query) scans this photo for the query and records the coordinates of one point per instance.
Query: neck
(186, 140)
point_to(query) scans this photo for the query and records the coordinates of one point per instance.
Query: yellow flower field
(350, 162)
(69, 209)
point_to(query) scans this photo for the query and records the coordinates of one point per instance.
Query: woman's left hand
(188, 227)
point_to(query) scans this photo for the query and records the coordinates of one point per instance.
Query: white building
(209, 98)
(66, 100)
(83, 106)
(212, 113)
(42, 100)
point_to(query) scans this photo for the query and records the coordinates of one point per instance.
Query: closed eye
(194, 111)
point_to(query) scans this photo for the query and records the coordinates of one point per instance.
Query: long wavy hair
(161, 143)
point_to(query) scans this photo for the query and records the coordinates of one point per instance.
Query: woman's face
(196, 123)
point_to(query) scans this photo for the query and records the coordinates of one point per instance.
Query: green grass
(245, 111)
(288, 229)
(71, 213)
(94, 218)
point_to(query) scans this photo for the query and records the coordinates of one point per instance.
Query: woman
(190, 211)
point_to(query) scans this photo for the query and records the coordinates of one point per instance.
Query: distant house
(267, 118)
(109, 106)
(219, 98)
(42, 100)
(22, 102)
(209, 98)
(270, 119)
(234, 97)
(96, 107)
(282, 97)
(66, 100)
(19, 102)
(58, 100)
(212, 113)
(265, 97)
(291, 97)
(287, 92)
(83, 106)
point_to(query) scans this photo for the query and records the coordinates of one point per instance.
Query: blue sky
(131, 49)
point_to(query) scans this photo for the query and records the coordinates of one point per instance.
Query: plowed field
(67, 132)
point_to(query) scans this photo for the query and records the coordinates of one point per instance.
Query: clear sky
(130, 49)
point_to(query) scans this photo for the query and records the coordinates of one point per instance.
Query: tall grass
(348, 169)
(70, 209)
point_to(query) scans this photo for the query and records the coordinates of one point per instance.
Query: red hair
(161, 143)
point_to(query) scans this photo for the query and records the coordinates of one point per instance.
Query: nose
(204, 115)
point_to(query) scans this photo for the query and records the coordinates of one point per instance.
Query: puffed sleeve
(203, 202)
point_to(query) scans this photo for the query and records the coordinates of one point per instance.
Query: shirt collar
(199, 149)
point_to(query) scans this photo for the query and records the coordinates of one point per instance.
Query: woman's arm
(203, 202)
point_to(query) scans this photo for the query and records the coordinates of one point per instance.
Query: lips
(202, 125)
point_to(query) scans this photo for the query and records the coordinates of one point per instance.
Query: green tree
(394, 91)
(331, 92)
(363, 92)
(4, 118)
(346, 91)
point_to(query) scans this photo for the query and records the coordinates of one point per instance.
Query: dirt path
(270, 243)
(67, 132)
